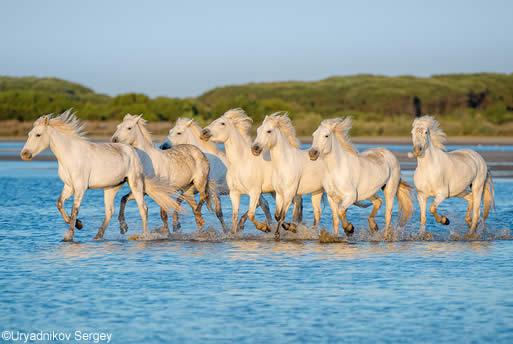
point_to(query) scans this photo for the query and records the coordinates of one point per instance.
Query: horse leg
(422, 199)
(434, 209)
(123, 227)
(316, 205)
(242, 222)
(164, 218)
(297, 213)
(467, 196)
(390, 191)
(347, 200)
(77, 199)
(253, 200)
(66, 193)
(235, 199)
(288, 226)
(262, 203)
(334, 214)
(136, 184)
(176, 220)
(108, 199)
(279, 215)
(196, 209)
(376, 203)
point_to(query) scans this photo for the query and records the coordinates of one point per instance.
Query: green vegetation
(467, 104)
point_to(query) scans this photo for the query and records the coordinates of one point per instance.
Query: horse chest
(428, 181)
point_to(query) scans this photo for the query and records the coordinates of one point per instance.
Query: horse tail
(405, 201)
(159, 190)
(488, 195)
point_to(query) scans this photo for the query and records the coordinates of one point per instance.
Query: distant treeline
(467, 104)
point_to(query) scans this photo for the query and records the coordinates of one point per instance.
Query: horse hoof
(78, 224)
(349, 229)
(445, 221)
(374, 227)
(291, 227)
(264, 228)
(277, 235)
(123, 228)
(389, 235)
(98, 237)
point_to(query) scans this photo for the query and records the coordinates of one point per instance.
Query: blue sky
(185, 48)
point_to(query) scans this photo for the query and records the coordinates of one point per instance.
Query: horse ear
(127, 116)
(46, 120)
(138, 118)
(189, 122)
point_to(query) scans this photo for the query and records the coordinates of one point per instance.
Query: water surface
(201, 287)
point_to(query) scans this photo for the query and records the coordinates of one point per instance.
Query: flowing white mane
(240, 120)
(196, 130)
(438, 137)
(141, 123)
(66, 123)
(282, 121)
(340, 127)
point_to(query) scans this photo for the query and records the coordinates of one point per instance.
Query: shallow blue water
(208, 287)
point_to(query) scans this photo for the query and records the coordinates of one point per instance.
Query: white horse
(183, 166)
(247, 174)
(292, 172)
(86, 165)
(188, 131)
(351, 176)
(441, 174)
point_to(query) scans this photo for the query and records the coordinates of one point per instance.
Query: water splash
(305, 233)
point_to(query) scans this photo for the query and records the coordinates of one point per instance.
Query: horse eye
(129, 128)
(222, 123)
(178, 133)
(326, 136)
(38, 135)
(268, 131)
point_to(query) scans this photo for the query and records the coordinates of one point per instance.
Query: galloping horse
(441, 174)
(246, 174)
(86, 165)
(351, 176)
(183, 166)
(188, 131)
(292, 172)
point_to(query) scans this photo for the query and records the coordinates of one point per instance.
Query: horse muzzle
(417, 151)
(165, 145)
(256, 150)
(115, 139)
(313, 154)
(26, 155)
(205, 134)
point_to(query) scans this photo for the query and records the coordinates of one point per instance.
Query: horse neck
(142, 143)
(432, 154)
(339, 157)
(61, 144)
(207, 147)
(282, 151)
(237, 146)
